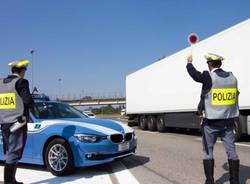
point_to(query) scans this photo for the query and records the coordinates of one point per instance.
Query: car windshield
(55, 110)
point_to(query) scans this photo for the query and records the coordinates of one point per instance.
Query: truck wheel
(237, 129)
(58, 158)
(130, 124)
(152, 123)
(143, 123)
(161, 124)
(132, 121)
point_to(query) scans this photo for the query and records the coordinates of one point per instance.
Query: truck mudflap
(248, 125)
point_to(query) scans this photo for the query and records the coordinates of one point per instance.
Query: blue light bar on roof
(42, 97)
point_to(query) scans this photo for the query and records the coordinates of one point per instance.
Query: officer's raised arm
(196, 75)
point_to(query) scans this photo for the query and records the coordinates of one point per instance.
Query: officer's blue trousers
(209, 137)
(13, 143)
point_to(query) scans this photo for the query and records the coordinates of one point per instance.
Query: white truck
(163, 94)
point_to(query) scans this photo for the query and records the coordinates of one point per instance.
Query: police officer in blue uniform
(219, 105)
(15, 101)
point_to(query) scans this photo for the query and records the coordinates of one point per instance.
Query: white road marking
(149, 132)
(237, 144)
(33, 176)
(122, 174)
(245, 145)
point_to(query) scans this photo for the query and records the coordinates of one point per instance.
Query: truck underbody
(188, 120)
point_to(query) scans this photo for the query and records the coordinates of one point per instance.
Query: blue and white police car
(62, 138)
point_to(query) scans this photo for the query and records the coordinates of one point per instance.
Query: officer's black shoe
(209, 171)
(8, 173)
(234, 171)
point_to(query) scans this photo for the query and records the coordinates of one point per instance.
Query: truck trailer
(163, 94)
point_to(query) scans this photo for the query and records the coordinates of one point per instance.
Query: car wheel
(161, 124)
(143, 123)
(151, 123)
(58, 158)
(237, 129)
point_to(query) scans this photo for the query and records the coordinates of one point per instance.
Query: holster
(5, 130)
(201, 106)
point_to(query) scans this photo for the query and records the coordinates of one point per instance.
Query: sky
(87, 47)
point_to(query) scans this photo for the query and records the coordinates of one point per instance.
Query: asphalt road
(174, 157)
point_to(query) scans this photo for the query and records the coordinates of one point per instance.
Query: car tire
(59, 158)
(143, 123)
(237, 129)
(151, 120)
(161, 127)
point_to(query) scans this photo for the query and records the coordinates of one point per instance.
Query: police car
(62, 138)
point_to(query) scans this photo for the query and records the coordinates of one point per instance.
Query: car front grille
(118, 138)
(128, 136)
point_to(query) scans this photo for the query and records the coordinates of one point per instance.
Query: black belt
(220, 123)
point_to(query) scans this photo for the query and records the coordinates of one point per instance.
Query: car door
(27, 152)
(29, 146)
(27, 149)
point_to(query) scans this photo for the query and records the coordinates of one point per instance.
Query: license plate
(123, 146)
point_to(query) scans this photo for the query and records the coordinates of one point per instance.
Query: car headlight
(89, 138)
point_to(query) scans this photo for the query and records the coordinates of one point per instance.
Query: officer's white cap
(22, 63)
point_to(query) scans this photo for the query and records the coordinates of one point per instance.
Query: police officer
(15, 100)
(219, 103)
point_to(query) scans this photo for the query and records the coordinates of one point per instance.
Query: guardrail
(84, 102)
